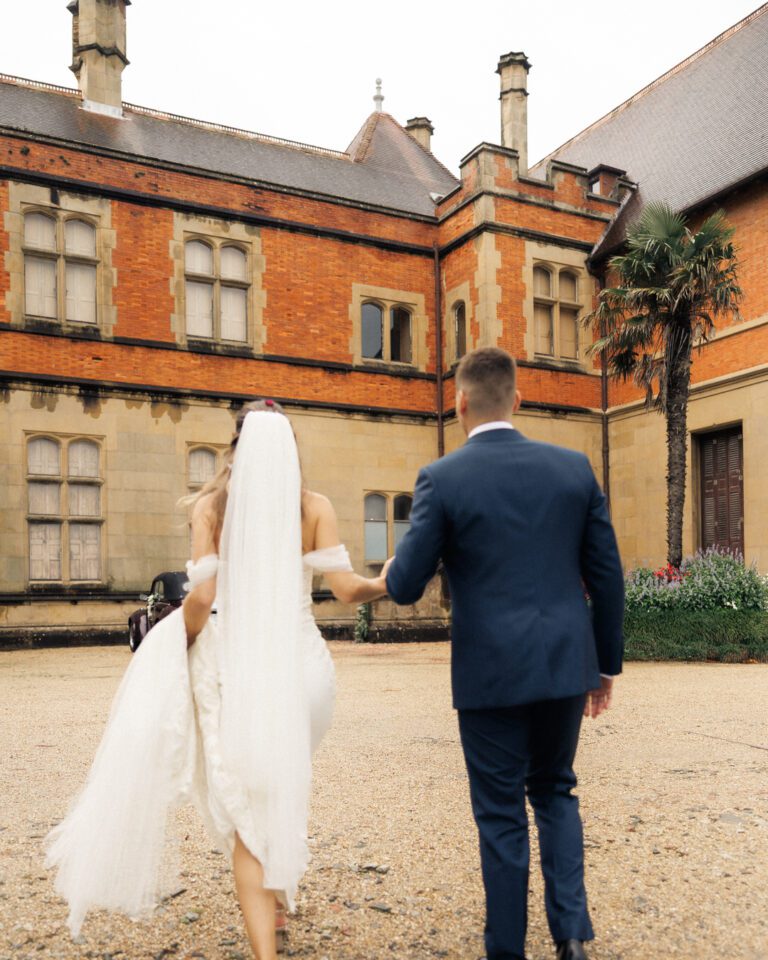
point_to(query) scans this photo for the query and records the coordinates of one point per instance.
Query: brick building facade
(157, 272)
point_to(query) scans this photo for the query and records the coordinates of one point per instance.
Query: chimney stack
(513, 70)
(421, 129)
(98, 52)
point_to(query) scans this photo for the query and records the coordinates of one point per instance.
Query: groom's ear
(461, 402)
(518, 401)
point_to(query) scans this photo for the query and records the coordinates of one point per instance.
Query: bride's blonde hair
(217, 486)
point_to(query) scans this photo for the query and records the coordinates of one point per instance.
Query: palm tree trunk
(676, 409)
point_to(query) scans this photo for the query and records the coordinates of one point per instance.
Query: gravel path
(674, 788)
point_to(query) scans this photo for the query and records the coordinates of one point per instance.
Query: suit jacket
(523, 530)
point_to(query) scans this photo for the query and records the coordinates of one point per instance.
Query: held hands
(386, 567)
(599, 700)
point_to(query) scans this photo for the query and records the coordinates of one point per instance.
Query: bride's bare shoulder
(316, 505)
(204, 510)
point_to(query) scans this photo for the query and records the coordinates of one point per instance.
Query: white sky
(306, 69)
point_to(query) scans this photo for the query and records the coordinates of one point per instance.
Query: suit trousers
(509, 752)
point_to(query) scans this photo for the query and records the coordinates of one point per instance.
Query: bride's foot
(281, 923)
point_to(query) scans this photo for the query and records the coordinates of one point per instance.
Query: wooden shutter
(45, 551)
(43, 457)
(80, 238)
(542, 316)
(569, 333)
(45, 499)
(722, 490)
(202, 466)
(84, 551)
(83, 459)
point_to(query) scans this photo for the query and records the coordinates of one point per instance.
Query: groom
(523, 531)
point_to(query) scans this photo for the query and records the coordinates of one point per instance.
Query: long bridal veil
(264, 729)
(111, 850)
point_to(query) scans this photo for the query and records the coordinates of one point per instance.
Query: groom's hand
(599, 700)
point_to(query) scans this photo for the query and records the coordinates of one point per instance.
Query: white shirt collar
(491, 425)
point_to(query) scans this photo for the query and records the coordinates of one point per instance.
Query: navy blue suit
(523, 530)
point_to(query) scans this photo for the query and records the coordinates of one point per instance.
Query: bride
(225, 715)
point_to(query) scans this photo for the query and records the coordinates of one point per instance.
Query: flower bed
(712, 608)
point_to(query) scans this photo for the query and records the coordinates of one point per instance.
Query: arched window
(375, 528)
(460, 328)
(372, 331)
(40, 272)
(542, 282)
(199, 288)
(400, 335)
(59, 257)
(569, 315)
(556, 309)
(217, 286)
(402, 513)
(202, 466)
(44, 457)
(234, 293)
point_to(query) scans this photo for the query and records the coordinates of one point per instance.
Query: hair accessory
(269, 403)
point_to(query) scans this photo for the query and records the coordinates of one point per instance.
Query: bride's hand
(386, 567)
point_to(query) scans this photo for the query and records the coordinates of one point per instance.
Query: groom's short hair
(488, 377)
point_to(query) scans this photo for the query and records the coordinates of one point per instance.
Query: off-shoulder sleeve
(329, 559)
(203, 569)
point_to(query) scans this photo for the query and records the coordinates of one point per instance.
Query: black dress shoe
(571, 950)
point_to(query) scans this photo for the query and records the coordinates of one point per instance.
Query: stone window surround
(24, 198)
(215, 448)
(556, 258)
(386, 298)
(389, 498)
(64, 441)
(451, 298)
(218, 233)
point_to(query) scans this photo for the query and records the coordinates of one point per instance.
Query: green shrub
(725, 635)
(710, 580)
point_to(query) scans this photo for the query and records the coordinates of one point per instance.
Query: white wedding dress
(229, 724)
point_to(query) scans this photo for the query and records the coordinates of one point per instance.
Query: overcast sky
(306, 69)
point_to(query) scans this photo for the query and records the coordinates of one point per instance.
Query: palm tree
(671, 285)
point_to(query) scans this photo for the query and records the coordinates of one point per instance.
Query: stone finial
(421, 129)
(379, 96)
(513, 71)
(98, 52)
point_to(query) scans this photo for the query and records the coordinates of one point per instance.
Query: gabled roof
(697, 131)
(396, 173)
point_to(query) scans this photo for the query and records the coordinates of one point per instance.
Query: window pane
(569, 333)
(542, 282)
(403, 506)
(83, 459)
(372, 331)
(400, 335)
(199, 309)
(569, 287)
(460, 314)
(375, 507)
(81, 292)
(402, 516)
(84, 551)
(202, 466)
(234, 264)
(375, 541)
(45, 551)
(39, 231)
(80, 238)
(544, 332)
(84, 500)
(199, 257)
(44, 498)
(40, 287)
(234, 311)
(43, 457)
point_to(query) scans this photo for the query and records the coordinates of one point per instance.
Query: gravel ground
(674, 791)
